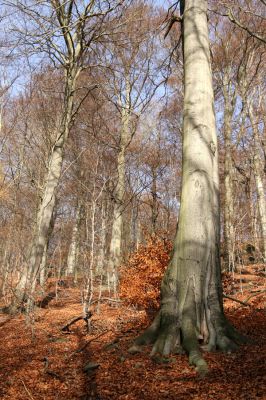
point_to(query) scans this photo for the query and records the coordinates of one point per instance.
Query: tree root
(169, 338)
(150, 334)
(196, 359)
(166, 343)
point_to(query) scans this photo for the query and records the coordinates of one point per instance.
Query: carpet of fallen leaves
(39, 362)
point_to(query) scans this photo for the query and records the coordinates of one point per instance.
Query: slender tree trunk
(116, 235)
(89, 288)
(102, 252)
(4, 271)
(259, 182)
(74, 244)
(229, 233)
(253, 216)
(191, 291)
(154, 204)
(134, 224)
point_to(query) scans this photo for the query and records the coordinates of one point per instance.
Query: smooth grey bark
(116, 234)
(119, 195)
(43, 270)
(229, 232)
(74, 244)
(89, 287)
(259, 181)
(43, 273)
(154, 202)
(134, 226)
(102, 252)
(253, 215)
(191, 291)
(5, 267)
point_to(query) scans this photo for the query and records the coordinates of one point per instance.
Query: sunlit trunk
(47, 204)
(259, 182)
(229, 234)
(119, 196)
(154, 201)
(191, 291)
(74, 244)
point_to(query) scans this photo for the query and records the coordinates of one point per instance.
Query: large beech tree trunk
(191, 291)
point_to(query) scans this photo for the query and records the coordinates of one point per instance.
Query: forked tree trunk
(43, 222)
(191, 291)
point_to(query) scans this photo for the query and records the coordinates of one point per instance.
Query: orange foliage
(141, 276)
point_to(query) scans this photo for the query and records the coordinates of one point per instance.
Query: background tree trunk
(259, 182)
(74, 244)
(47, 205)
(229, 234)
(119, 196)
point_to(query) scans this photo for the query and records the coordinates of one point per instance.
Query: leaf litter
(40, 362)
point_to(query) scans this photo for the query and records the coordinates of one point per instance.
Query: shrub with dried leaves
(141, 276)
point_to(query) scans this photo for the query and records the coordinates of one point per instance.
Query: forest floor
(40, 362)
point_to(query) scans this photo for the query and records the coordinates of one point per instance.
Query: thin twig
(27, 390)
(237, 301)
(107, 299)
(257, 293)
(245, 302)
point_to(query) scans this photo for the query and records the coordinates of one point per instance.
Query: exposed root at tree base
(171, 339)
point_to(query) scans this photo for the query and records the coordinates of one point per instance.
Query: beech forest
(132, 199)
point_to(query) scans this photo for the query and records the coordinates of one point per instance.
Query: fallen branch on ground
(245, 302)
(87, 343)
(237, 301)
(257, 293)
(85, 318)
(48, 371)
(107, 299)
